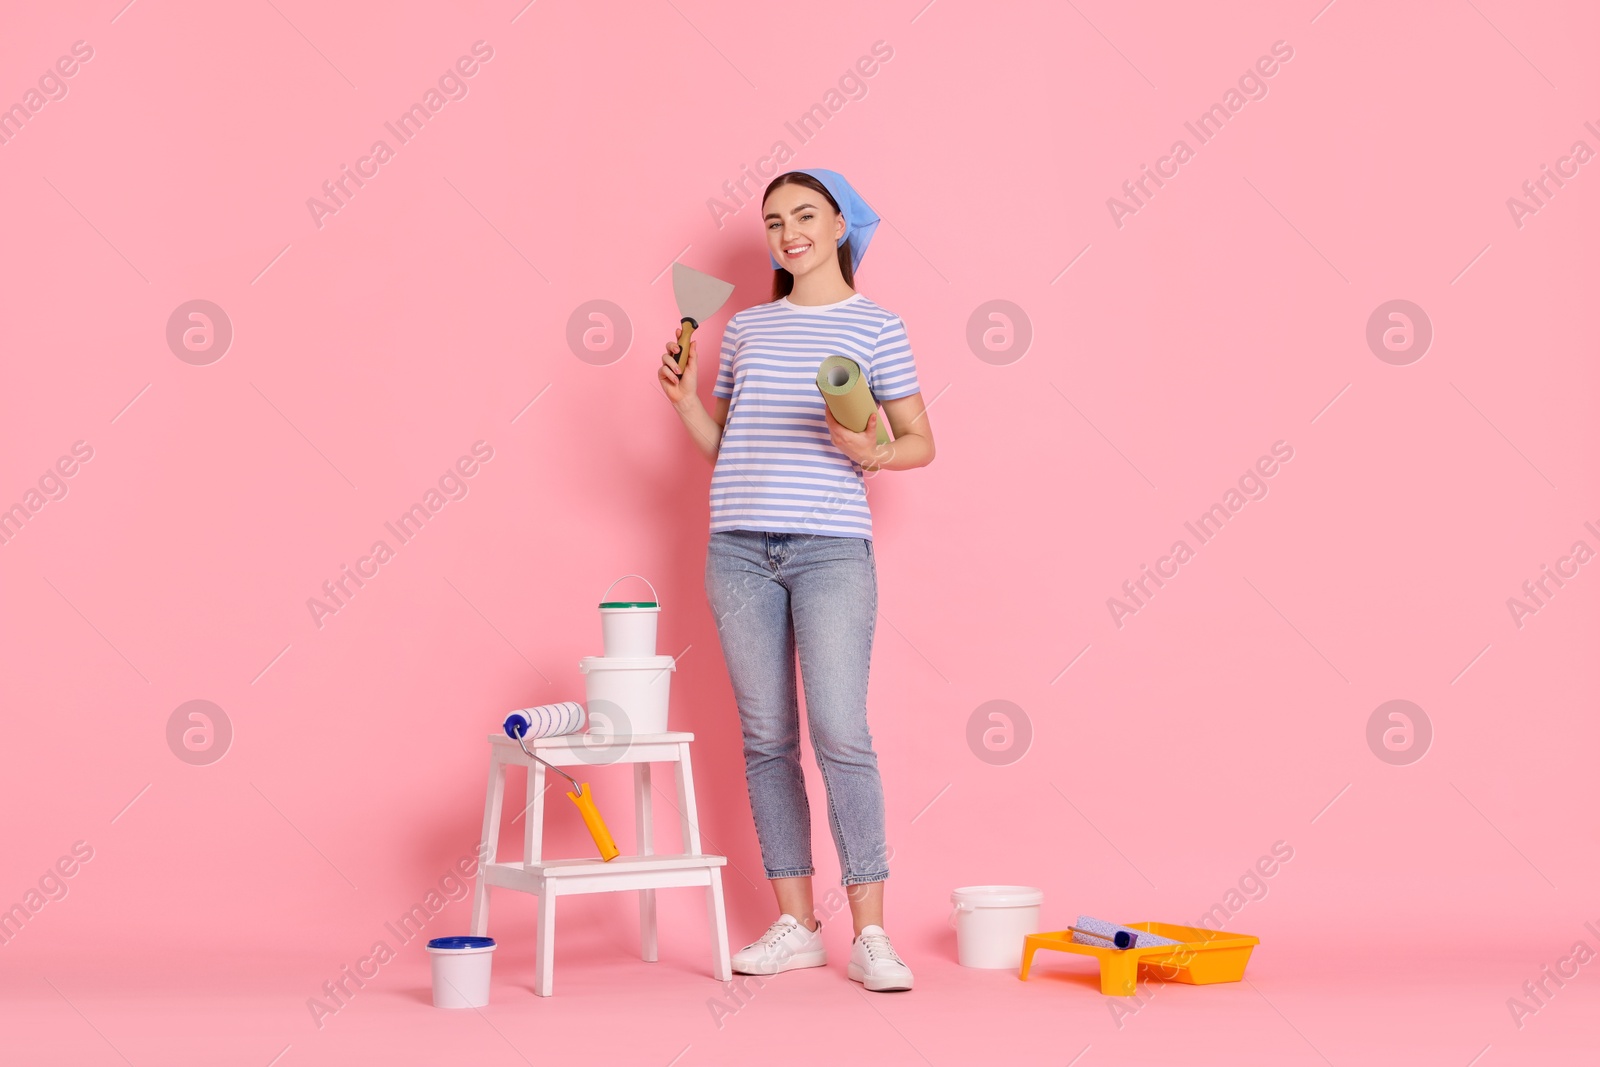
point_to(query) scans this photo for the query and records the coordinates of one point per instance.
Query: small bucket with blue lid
(461, 971)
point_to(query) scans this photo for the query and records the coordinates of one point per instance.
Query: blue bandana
(860, 221)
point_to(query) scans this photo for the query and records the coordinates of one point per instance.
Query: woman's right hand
(680, 388)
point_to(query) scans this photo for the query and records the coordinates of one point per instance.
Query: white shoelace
(775, 933)
(878, 947)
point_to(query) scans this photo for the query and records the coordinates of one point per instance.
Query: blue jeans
(774, 594)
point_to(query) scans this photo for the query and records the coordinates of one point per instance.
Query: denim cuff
(858, 879)
(792, 872)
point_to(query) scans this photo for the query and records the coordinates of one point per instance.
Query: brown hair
(782, 280)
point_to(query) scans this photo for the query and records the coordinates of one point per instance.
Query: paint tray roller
(551, 720)
(847, 394)
(1101, 934)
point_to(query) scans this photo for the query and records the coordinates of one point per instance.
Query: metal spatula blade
(699, 296)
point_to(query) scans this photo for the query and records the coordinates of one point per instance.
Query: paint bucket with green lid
(628, 627)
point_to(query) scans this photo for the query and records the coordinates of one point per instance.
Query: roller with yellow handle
(516, 727)
(591, 819)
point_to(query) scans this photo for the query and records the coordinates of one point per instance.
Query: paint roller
(847, 394)
(547, 720)
(1091, 931)
(550, 720)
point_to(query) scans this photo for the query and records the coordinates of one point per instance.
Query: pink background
(1227, 314)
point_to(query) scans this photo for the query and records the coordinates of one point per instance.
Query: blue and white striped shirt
(777, 469)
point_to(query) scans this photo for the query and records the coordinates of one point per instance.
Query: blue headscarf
(860, 221)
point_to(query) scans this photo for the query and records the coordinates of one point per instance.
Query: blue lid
(461, 942)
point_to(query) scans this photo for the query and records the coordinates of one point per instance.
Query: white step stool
(646, 872)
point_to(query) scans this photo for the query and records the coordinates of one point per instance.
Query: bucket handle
(642, 578)
(960, 907)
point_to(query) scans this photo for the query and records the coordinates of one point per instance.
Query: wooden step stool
(646, 872)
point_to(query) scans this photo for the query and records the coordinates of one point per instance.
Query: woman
(790, 564)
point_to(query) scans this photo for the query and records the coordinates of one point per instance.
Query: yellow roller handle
(597, 825)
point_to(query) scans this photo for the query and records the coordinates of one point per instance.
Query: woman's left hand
(862, 447)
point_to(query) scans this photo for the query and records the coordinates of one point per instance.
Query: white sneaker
(786, 945)
(875, 964)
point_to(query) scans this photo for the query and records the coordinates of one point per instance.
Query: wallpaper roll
(547, 720)
(848, 396)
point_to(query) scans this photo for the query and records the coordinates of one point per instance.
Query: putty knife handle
(685, 332)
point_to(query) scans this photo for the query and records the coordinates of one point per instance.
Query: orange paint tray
(1202, 957)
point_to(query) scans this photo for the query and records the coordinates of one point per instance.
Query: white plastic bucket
(461, 971)
(628, 627)
(991, 921)
(629, 691)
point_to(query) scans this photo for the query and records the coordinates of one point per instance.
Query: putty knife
(700, 296)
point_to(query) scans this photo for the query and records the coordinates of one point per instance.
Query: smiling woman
(790, 567)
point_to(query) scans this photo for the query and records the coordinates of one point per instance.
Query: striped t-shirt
(778, 470)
